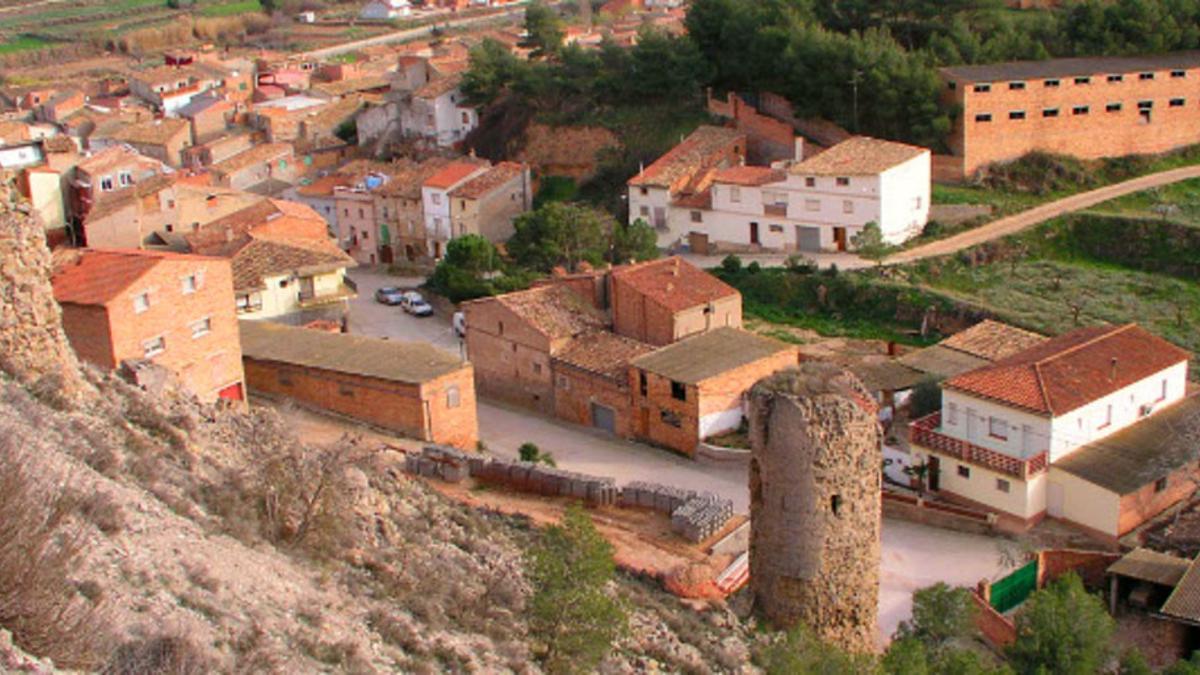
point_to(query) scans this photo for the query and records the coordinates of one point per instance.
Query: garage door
(604, 418)
(808, 238)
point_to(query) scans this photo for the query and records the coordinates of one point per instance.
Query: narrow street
(913, 555)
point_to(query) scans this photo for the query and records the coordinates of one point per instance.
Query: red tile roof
(492, 179)
(749, 175)
(603, 353)
(673, 283)
(858, 156)
(96, 277)
(703, 148)
(554, 311)
(451, 175)
(1071, 370)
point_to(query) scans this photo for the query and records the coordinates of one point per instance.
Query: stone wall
(815, 503)
(33, 346)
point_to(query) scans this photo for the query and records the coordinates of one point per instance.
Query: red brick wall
(512, 363)
(206, 363)
(1138, 507)
(1091, 566)
(727, 390)
(638, 319)
(87, 330)
(1095, 134)
(575, 390)
(995, 628)
(208, 123)
(453, 425)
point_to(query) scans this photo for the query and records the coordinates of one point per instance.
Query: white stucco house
(1094, 427)
(382, 10)
(438, 112)
(435, 202)
(817, 204)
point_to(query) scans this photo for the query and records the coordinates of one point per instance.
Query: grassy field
(1179, 202)
(22, 43)
(232, 8)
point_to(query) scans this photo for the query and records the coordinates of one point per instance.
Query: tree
(544, 28)
(571, 614)
(633, 242)
(926, 398)
(1062, 629)
(798, 651)
(941, 614)
(561, 234)
(493, 69)
(465, 272)
(530, 452)
(869, 243)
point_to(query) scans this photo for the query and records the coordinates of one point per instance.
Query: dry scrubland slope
(150, 532)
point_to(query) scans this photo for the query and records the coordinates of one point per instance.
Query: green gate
(1014, 588)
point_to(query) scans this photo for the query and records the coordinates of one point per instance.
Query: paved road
(1039, 214)
(913, 556)
(844, 261)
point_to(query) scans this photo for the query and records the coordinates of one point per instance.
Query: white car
(413, 303)
(459, 322)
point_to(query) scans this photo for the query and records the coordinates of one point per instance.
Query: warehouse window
(453, 398)
(1116, 78)
(1145, 76)
(1051, 83)
(1016, 115)
(1050, 112)
(1079, 110)
(678, 391)
(1083, 80)
(1113, 107)
(1177, 102)
(1178, 73)
(1015, 86)
(964, 471)
(983, 88)
(983, 117)
(1003, 485)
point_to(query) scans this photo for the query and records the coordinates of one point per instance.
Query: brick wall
(206, 362)
(1091, 566)
(727, 390)
(1091, 134)
(767, 139)
(995, 628)
(87, 330)
(208, 123)
(450, 423)
(1138, 507)
(512, 361)
(636, 317)
(576, 390)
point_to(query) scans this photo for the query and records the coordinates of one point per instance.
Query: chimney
(228, 234)
(799, 141)
(1112, 372)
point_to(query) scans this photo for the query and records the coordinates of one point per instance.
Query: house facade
(172, 309)
(663, 301)
(1027, 436)
(436, 202)
(383, 10)
(1083, 107)
(109, 170)
(488, 204)
(683, 172)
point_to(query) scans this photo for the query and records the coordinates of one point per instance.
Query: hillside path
(1039, 214)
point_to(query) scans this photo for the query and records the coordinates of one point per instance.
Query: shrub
(162, 654)
(926, 399)
(731, 264)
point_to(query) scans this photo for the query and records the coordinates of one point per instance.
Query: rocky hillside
(146, 532)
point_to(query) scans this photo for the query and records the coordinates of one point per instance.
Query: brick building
(162, 139)
(511, 339)
(408, 387)
(683, 171)
(1085, 107)
(109, 170)
(172, 309)
(488, 204)
(265, 168)
(591, 381)
(663, 301)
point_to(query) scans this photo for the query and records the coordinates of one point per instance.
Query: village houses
(1084, 427)
(123, 306)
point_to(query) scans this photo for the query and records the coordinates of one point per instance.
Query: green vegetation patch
(232, 8)
(22, 43)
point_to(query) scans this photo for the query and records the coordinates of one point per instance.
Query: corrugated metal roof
(1146, 565)
(708, 355)
(411, 362)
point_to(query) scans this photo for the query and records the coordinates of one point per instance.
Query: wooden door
(839, 238)
(934, 476)
(754, 234)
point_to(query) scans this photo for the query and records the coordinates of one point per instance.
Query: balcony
(924, 432)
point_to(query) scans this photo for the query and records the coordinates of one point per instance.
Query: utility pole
(854, 80)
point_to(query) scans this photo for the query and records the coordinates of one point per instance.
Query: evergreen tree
(1062, 629)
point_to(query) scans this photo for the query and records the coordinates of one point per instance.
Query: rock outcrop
(815, 504)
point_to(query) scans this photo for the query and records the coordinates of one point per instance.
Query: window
(189, 284)
(1106, 419)
(453, 397)
(775, 228)
(810, 182)
(1116, 78)
(346, 390)
(917, 202)
(1176, 102)
(847, 206)
(678, 391)
(1161, 484)
(1050, 112)
(201, 328)
(1112, 107)
(1083, 80)
(1079, 110)
(952, 86)
(1051, 83)
(537, 369)
(998, 428)
(669, 418)
(125, 179)
(436, 198)
(812, 204)
(697, 217)
(141, 303)
(1178, 73)
(964, 471)
(500, 328)
(835, 504)
(1145, 105)
(644, 210)
(360, 213)
(106, 184)
(1145, 76)
(645, 191)
(952, 414)
(1015, 86)
(346, 212)
(1003, 485)
(1016, 115)
(735, 193)
(154, 347)
(385, 213)
(564, 383)
(466, 117)
(983, 117)
(982, 88)
(842, 181)
(642, 384)
(1162, 393)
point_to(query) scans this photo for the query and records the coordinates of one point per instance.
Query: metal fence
(1014, 588)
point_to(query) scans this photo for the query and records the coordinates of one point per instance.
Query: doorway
(604, 418)
(839, 238)
(754, 241)
(934, 475)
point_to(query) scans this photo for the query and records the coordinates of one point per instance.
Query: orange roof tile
(603, 353)
(749, 175)
(699, 150)
(1067, 372)
(451, 175)
(493, 178)
(98, 276)
(858, 156)
(554, 311)
(673, 283)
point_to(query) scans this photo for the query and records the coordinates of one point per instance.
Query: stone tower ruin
(815, 503)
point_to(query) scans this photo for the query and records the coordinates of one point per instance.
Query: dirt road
(413, 33)
(1039, 214)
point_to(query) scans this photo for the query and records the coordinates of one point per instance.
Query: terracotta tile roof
(170, 75)
(1184, 601)
(408, 176)
(1140, 454)
(265, 257)
(992, 340)
(749, 175)
(700, 149)
(1147, 565)
(493, 178)
(554, 311)
(98, 276)
(439, 86)
(603, 353)
(152, 132)
(673, 283)
(114, 157)
(391, 360)
(13, 131)
(1071, 370)
(343, 87)
(708, 355)
(274, 217)
(59, 143)
(697, 200)
(267, 152)
(323, 187)
(111, 202)
(451, 175)
(858, 156)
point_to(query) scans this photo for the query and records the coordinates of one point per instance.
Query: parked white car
(413, 303)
